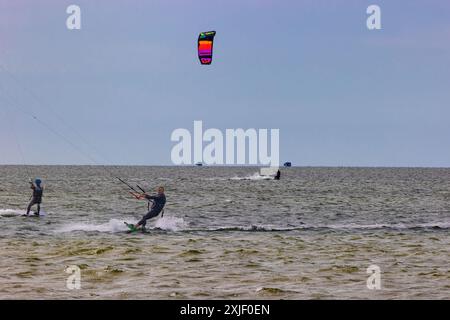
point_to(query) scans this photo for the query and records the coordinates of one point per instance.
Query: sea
(227, 233)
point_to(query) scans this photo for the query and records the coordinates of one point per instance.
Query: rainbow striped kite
(205, 46)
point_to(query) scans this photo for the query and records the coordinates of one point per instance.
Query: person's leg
(38, 209)
(29, 206)
(148, 216)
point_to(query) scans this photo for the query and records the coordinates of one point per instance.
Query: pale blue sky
(340, 94)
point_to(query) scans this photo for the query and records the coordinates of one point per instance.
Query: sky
(114, 91)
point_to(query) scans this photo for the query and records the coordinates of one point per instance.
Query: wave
(11, 212)
(113, 225)
(170, 224)
(6, 213)
(259, 228)
(175, 224)
(255, 176)
(395, 226)
(116, 225)
(336, 227)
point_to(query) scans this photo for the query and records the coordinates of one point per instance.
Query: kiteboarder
(158, 205)
(278, 175)
(36, 198)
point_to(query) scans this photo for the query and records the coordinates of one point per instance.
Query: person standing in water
(278, 175)
(36, 198)
(159, 202)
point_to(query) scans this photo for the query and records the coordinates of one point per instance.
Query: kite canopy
(205, 46)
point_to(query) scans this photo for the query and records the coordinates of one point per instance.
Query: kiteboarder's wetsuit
(277, 177)
(36, 198)
(158, 205)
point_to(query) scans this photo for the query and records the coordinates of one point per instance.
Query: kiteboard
(131, 227)
(35, 215)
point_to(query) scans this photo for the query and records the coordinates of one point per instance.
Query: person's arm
(149, 197)
(138, 196)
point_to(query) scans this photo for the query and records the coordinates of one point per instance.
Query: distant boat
(199, 164)
(287, 164)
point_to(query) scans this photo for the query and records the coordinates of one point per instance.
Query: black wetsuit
(277, 177)
(36, 199)
(158, 205)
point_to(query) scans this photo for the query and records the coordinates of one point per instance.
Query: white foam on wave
(115, 225)
(437, 224)
(254, 228)
(361, 226)
(442, 225)
(170, 223)
(11, 212)
(343, 227)
(255, 176)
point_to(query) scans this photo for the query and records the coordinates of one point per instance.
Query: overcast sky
(340, 94)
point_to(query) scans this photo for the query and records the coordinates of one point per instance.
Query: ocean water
(228, 233)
